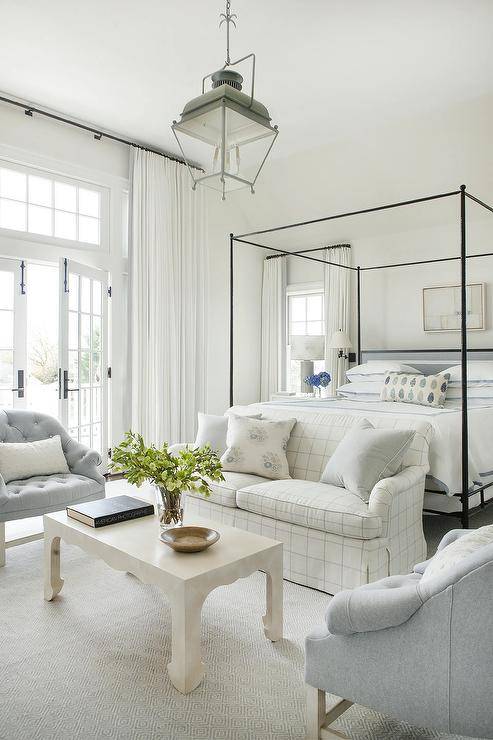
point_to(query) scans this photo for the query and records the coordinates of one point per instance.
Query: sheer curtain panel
(273, 358)
(168, 278)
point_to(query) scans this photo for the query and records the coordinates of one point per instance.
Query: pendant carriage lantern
(228, 132)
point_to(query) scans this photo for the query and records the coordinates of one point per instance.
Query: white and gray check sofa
(43, 494)
(420, 652)
(332, 539)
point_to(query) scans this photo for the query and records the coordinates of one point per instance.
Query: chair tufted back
(22, 425)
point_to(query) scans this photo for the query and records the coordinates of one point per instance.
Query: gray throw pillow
(366, 455)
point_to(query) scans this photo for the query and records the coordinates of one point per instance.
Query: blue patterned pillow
(424, 390)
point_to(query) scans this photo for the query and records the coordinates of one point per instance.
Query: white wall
(415, 158)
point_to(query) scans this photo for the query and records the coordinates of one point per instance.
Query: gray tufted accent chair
(419, 652)
(43, 494)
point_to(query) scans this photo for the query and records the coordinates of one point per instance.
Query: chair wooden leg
(315, 711)
(319, 719)
(2, 544)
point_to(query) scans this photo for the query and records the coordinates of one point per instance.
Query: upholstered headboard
(428, 361)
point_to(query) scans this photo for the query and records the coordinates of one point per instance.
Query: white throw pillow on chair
(21, 460)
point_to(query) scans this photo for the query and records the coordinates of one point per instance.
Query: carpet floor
(92, 663)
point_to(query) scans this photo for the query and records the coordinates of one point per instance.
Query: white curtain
(168, 277)
(337, 289)
(273, 348)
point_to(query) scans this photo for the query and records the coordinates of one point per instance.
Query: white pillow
(458, 550)
(475, 391)
(478, 371)
(258, 446)
(377, 370)
(212, 430)
(362, 391)
(19, 460)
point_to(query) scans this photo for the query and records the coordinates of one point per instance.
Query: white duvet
(445, 447)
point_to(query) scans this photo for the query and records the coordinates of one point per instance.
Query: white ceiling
(326, 69)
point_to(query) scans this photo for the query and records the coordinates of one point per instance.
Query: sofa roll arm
(386, 490)
(375, 606)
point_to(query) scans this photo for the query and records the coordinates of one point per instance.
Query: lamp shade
(339, 340)
(305, 347)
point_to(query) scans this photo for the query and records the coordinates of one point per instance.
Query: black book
(110, 511)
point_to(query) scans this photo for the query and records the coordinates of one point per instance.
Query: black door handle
(20, 384)
(66, 389)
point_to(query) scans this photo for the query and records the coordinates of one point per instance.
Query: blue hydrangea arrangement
(320, 380)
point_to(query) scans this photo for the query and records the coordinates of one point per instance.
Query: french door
(83, 369)
(13, 325)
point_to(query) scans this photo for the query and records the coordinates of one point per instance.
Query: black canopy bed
(467, 489)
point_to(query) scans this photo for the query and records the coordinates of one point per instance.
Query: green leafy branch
(190, 469)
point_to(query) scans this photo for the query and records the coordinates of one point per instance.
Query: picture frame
(442, 304)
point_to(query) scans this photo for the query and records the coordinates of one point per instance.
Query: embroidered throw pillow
(366, 455)
(212, 430)
(452, 554)
(258, 446)
(424, 390)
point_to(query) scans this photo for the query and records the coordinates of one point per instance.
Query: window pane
(96, 438)
(6, 329)
(73, 292)
(40, 190)
(314, 308)
(96, 334)
(96, 404)
(298, 308)
(13, 184)
(96, 296)
(314, 327)
(85, 295)
(6, 290)
(88, 230)
(297, 328)
(65, 225)
(85, 406)
(96, 368)
(84, 368)
(12, 215)
(39, 220)
(6, 368)
(73, 330)
(73, 369)
(73, 409)
(6, 398)
(65, 197)
(89, 202)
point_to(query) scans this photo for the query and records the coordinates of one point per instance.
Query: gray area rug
(92, 664)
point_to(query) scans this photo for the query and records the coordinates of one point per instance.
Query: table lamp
(307, 349)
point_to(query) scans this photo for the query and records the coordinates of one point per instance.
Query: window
(36, 203)
(305, 313)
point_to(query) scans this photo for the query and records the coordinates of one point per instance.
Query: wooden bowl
(189, 539)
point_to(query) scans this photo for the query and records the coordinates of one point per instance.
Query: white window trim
(304, 288)
(104, 219)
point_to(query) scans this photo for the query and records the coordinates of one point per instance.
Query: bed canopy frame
(245, 239)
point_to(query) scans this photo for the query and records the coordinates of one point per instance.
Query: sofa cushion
(224, 492)
(46, 492)
(314, 505)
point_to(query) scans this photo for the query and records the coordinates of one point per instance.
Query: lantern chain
(227, 18)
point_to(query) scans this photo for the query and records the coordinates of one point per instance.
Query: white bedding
(445, 447)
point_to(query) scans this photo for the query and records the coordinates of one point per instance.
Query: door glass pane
(96, 368)
(96, 404)
(7, 369)
(84, 369)
(96, 297)
(73, 368)
(85, 331)
(42, 338)
(96, 437)
(85, 294)
(85, 406)
(85, 435)
(6, 290)
(6, 329)
(73, 330)
(73, 292)
(73, 409)
(96, 333)
(6, 399)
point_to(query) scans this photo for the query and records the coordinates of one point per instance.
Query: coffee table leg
(273, 620)
(186, 669)
(52, 581)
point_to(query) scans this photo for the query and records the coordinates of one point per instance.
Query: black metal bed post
(231, 335)
(463, 349)
(358, 304)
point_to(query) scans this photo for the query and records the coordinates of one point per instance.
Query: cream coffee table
(186, 578)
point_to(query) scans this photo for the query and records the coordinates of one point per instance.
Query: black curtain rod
(352, 213)
(306, 251)
(98, 134)
(426, 262)
(282, 252)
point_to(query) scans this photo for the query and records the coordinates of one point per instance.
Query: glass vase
(169, 508)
